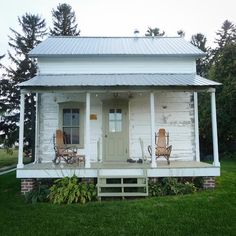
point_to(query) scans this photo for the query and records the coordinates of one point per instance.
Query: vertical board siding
(109, 65)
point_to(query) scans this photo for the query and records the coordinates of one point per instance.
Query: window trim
(73, 105)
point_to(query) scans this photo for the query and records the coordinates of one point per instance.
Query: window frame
(73, 105)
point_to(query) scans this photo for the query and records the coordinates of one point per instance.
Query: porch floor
(175, 169)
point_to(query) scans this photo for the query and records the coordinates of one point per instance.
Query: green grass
(210, 212)
(8, 159)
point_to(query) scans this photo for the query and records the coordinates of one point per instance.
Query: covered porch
(175, 169)
(128, 87)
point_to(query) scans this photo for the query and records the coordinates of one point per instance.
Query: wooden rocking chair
(162, 145)
(62, 151)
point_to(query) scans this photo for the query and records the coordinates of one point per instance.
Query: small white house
(110, 93)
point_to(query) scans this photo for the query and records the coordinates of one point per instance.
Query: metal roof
(111, 80)
(80, 46)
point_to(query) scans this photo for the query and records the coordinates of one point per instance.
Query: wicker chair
(163, 149)
(68, 153)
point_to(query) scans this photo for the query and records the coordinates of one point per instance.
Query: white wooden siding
(174, 112)
(109, 65)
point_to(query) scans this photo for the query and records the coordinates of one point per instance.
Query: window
(71, 123)
(115, 120)
(71, 126)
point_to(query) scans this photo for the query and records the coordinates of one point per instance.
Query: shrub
(38, 194)
(68, 190)
(171, 186)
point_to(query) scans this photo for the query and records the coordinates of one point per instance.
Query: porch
(148, 103)
(119, 169)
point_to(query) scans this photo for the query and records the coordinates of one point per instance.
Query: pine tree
(64, 21)
(33, 30)
(154, 32)
(199, 40)
(181, 33)
(222, 69)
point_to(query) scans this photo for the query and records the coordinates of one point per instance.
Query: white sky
(121, 17)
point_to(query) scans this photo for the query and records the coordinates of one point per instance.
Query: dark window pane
(67, 117)
(75, 135)
(75, 117)
(67, 135)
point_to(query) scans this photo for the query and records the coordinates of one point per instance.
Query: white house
(119, 90)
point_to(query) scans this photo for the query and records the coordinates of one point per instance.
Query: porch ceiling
(118, 80)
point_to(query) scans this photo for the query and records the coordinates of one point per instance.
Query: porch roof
(118, 80)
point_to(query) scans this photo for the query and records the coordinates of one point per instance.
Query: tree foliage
(22, 68)
(199, 40)
(181, 33)
(154, 32)
(64, 21)
(222, 68)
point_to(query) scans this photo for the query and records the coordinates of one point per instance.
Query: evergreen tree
(64, 21)
(33, 30)
(181, 33)
(154, 32)
(222, 69)
(199, 40)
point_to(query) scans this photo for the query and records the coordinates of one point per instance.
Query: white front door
(115, 131)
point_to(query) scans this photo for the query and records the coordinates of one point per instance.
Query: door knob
(105, 135)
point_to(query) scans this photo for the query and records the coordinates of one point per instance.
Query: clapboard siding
(109, 65)
(174, 112)
(48, 116)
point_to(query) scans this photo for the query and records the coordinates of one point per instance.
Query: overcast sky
(121, 17)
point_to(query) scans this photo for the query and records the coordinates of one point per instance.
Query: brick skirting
(209, 182)
(27, 185)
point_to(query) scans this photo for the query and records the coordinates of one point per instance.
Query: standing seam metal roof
(106, 80)
(78, 46)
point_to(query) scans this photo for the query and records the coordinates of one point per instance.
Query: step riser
(123, 184)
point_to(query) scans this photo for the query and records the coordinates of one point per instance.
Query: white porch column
(87, 132)
(196, 126)
(214, 129)
(21, 131)
(152, 109)
(36, 128)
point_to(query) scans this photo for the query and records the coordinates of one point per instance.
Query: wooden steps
(122, 186)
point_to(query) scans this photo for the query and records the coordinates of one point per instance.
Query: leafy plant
(171, 186)
(38, 194)
(68, 190)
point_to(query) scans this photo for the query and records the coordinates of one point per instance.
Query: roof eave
(31, 55)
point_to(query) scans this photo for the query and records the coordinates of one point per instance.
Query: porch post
(21, 131)
(87, 132)
(196, 126)
(214, 129)
(152, 108)
(36, 128)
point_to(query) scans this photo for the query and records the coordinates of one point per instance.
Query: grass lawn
(7, 159)
(203, 213)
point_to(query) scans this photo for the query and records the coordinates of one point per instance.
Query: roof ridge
(146, 37)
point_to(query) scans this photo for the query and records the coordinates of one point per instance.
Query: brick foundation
(209, 182)
(27, 185)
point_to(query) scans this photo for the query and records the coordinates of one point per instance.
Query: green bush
(38, 194)
(171, 186)
(68, 190)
